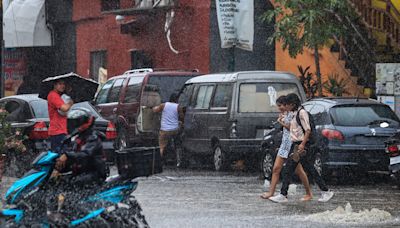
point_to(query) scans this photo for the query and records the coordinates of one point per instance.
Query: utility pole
(2, 52)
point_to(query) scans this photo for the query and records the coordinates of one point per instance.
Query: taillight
(111, 131)
(332, 134)
(393, 150)
(40, 131)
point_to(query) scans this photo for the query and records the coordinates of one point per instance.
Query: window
(184, 96)
(101, 97)
(363, 115)
(168, 84)
(261, 97)
(109, 5)
(204, 96)
(317, 109)
(222, 96)
(133, 90)
(115, 90)
(139, 59)
(39, 108)
(98, 59)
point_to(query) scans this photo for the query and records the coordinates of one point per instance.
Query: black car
(350, 133)
(29, 113)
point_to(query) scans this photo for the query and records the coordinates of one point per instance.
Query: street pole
(231, 66)
(2, 52)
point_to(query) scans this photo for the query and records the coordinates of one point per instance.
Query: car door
(196, 117)
(218, 118)
(108, 99)
(129, 105)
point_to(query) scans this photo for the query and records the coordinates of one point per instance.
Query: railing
(382, 20)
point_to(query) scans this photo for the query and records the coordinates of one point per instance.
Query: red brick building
(140, 40)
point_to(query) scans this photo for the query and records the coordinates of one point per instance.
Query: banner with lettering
(236, 23)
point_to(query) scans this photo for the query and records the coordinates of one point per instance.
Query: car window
(204, 96)
(115, 90)
(261, 97)
(88, 106)
(168, 84)
(222, 96)
(101, 97)
(362, 115)
(133, 90)
(185, 95)
(317, 109)
(39, 108)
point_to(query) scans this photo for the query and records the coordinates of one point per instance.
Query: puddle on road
(346, 215)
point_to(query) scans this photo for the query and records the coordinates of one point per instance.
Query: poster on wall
(388, 78)
(388, 100)
(15, 67)
(236, 23)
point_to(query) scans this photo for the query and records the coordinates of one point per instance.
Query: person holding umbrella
(58, 121)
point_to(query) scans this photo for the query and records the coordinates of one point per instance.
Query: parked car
(227, 114)
(125, 99)
(351, 133)
(29, 113)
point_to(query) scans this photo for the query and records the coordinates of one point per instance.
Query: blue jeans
(56, 143)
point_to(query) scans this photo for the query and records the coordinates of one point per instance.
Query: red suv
(125, 100)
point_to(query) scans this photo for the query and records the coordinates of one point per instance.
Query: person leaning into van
(300, 132)
(171, 121)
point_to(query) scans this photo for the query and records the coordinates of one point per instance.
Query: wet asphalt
(204, 198)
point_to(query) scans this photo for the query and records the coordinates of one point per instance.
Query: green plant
(309, 24)
(307, 81)
(335, 85)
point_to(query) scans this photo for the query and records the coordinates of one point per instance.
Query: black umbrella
(82, 89)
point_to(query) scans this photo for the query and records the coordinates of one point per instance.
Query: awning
(24, 24)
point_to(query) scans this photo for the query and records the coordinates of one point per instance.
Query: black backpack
(312, 139)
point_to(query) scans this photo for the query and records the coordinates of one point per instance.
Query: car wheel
(121, 141)
(267, 164)
(219, 159)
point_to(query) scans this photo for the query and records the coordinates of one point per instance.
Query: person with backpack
(302, 134)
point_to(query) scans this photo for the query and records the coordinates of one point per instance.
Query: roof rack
(135, 71)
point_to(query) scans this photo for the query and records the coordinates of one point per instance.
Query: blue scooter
(38, 200)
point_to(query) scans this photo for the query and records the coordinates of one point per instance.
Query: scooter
(393, 150)
(38, 199)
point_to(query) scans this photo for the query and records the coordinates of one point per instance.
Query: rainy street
(192, 198)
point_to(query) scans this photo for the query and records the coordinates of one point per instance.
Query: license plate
(395, 160)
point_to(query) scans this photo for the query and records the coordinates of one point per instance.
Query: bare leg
(275, 177)
(304, 179)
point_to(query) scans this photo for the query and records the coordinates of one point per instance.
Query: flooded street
(207, 199)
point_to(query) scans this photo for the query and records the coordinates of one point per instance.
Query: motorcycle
(392, 146)
(37, 199)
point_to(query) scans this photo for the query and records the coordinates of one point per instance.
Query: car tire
(121, 140)
(219, 158)
(267, 164)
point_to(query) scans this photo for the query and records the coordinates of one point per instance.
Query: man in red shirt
(58, 122)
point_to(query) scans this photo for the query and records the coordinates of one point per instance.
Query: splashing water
(347, 215)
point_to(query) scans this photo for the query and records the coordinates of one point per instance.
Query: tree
(309, 24)
(307, 81)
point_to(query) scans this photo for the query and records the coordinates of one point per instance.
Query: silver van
(226, 114)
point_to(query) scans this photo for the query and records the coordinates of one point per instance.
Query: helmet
(79, 120)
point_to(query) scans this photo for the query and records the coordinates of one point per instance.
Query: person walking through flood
(300, 132)
(58, 121)
(171, 121)
(284, 119)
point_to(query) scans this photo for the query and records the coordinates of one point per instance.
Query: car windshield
(168, 84)
(40, 108)
(261, 97)
(363, 115)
